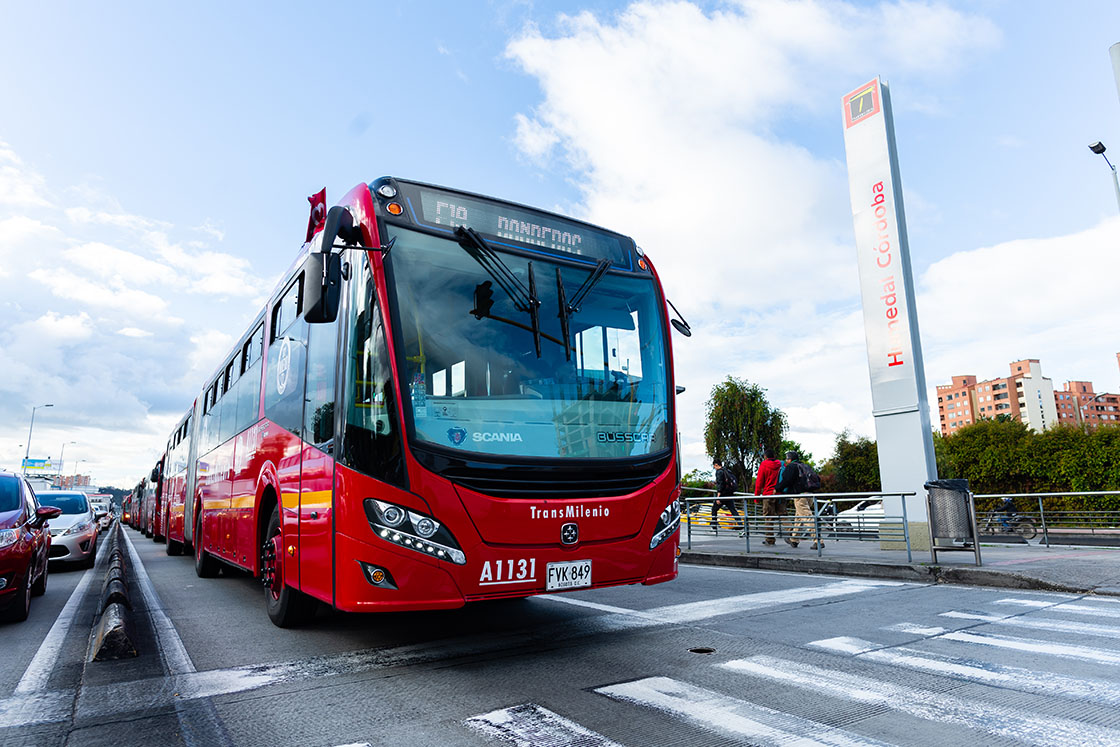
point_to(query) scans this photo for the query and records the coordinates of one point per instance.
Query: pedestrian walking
(792, 481)
(766, 485)
(726, 484)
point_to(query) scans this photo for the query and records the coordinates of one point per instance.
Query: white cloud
(56, 329)
(1028, 298)
(121, 220)
(112, 295)
(19, 187)
(133, 332)
(670, 116)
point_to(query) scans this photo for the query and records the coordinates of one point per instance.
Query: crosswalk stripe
(915, 629)
(675, 614)
(1059, 626)
(1002, 721)
(1025, 680)
(1077, 609)
(695, 611)
(530, 725)
(730, 716)
(1067, 650)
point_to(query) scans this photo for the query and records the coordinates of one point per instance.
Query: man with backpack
(726, 485)
(798, 480)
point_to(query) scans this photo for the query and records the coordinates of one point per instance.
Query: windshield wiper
(524, 299)
(567, 309)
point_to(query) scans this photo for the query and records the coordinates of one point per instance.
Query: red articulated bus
(448, 398)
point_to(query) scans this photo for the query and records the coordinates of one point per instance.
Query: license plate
(571, 575)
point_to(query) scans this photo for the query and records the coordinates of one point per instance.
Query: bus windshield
(472, 378)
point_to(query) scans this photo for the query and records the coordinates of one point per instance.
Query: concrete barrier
(112, 636)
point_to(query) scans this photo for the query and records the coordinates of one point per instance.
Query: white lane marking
(696, 611)
(174, 652)
(1001, 721)
(1017, 678)
(590, 605)
(106, 699)
(1076, 609)
(530, 725)
(1058, 626)
(38, 672)
(36, 708)
(915, 629)
(730, 716)
(1034, 646)
(355, 744)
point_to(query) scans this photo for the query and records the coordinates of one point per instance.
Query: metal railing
(830, 517)
(1099, 522)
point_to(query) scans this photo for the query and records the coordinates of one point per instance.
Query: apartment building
(1025, 395)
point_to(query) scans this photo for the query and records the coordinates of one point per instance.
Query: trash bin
(952, 516)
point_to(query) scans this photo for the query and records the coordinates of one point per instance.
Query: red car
(25, 544)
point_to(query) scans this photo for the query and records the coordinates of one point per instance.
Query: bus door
(317, 481)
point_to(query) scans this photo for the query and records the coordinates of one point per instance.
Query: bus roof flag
(318, 213)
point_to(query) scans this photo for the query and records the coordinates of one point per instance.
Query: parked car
(74, 532)
(865, 516)
(25, 542)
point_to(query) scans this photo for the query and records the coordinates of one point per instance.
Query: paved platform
(1074, 569)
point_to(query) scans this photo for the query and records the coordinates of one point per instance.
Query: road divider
(112, 636)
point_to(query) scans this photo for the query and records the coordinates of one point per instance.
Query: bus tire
(287, 607)
(173, 548)
(205, 564)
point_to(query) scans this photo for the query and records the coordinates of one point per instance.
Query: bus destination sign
(505, 223)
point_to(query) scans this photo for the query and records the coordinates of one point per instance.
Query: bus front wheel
(287, 607)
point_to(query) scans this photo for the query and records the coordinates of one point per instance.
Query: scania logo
(456, 435)
(503, 437)
(569, 533)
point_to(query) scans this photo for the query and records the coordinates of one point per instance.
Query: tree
(802, 455)
(740, 425)
(854, 465)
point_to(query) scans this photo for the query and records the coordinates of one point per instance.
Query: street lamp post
(27, 453)
(1084, 406)
(1098, 148)
(61, 461)
(74, 479)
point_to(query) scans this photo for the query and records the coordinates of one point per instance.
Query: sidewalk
(1074, 569)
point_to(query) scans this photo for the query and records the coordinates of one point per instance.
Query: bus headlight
(667, 523)
(406, 528)
(392, 515)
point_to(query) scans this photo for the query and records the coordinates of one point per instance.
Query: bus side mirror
(155, 474)
(322, 287)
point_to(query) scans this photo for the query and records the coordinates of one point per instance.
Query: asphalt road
(720, 656)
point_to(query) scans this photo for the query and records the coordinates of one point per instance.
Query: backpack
(729, 481)
(810, 480)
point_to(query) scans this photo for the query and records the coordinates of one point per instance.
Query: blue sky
(155, 163)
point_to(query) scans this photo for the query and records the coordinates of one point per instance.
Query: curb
(930, 574)
(111, 637)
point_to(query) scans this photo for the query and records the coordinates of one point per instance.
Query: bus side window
(283, 394)
(248, 396)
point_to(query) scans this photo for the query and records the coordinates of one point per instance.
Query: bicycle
(1013, 524)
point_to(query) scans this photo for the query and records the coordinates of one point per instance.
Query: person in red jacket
(765, 485)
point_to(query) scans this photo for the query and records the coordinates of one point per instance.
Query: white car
(101, 511)
(865, 516)
(74, 533)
